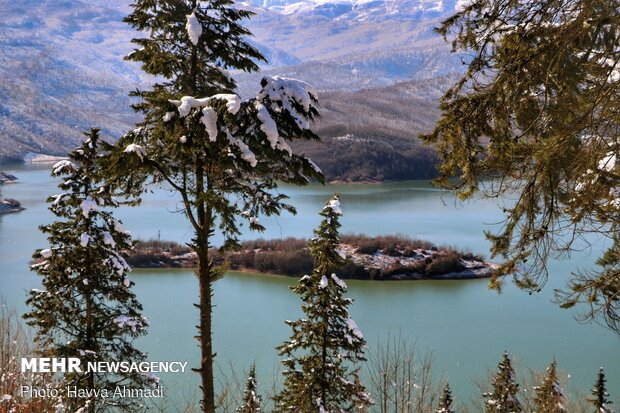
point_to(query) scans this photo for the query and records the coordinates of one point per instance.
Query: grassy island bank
(368, 258)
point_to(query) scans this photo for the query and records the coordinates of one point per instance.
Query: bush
(444, 264)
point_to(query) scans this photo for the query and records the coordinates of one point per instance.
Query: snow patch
(137, 149)
(87, 206)
(84, 239)
(194, 28)
(209, 119)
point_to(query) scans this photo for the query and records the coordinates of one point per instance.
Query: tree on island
(549, 395)
(446, 402)
(87, 308)
(251, 398)
(538, 110)
(320, 357)
(600, 397)
(503, 398)
(223, 156)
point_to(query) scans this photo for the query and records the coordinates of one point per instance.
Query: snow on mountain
(361, 9)
(62, 69)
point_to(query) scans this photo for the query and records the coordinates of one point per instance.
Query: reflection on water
(464, 325)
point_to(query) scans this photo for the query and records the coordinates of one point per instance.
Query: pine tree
(600, 397)
(538, 108)
(86, 308)
(503, 398)
(325, 345)
(549, 395)
(251, 398)
(223, 156)
(446, 402)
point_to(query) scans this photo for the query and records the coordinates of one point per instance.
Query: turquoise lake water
(462, 323)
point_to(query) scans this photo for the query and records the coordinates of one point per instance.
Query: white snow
(46, 253)
(233, 102)
(63, 166)
(209, 119)
(137, 149)
(132, 322)
(187, 103)
(353, 328)
(85, 281)
(126, 282)
(608, 163)
(313, 165)
(168, 116)
(323, 282)
(462, 4)
(183, 139)
(118, 227)
(194, 28)
(108, 239)
(288, 92)
(84, 239)
(88, 206)
(334, 204)
(268, 125)
(246, 153)
(59, 198)
(339, 282)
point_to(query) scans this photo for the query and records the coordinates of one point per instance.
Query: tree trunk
(205, 339)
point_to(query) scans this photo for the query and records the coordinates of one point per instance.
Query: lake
(462, 323)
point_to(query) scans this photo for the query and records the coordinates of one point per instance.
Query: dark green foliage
(600, 397)
(223, 156)
(549, 395)
(251, 398)
(445, 402)
(372, 158)
(503, 398)
(539, 110)
(86, 308)
(320, 373)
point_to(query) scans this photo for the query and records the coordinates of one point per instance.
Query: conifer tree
(549, 395)
(503, 398)
(223, 156)
(446, 402)
(320, 357)
(538, 108)
(600, 397)
(87, 309)
(251, 398)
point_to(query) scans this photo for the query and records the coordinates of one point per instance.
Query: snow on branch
(137, 149)
(194, 28)
(63, 166)
(187, 103)
(289, 94)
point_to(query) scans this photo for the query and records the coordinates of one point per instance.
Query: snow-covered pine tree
(86, 308)
(251, 398)
(550, 395)
(600, 397)
(320, 357)
(223, 156)
(446, 402)
(503, 398)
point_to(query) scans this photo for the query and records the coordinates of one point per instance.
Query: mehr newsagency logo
(75, 365)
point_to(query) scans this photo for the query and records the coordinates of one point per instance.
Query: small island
(368, 258)
(8, 206)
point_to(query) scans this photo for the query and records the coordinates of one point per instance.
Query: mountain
(62, 69)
